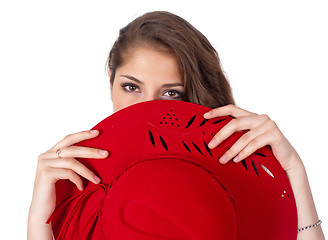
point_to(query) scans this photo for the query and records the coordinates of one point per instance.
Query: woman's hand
(50, 169)
(262, 131)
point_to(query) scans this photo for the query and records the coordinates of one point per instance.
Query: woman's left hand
(262, 131)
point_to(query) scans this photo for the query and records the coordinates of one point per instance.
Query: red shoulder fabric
(161, 181)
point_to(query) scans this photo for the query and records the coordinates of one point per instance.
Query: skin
(264, 131)
(153, 70)
(145, 72)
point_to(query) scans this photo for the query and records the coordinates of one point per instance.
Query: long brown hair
(199, 63)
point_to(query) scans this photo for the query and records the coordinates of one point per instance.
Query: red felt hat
(161, 181)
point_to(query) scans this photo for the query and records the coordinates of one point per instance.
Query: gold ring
(58, 152)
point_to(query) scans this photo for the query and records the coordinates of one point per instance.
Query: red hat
(161, 181)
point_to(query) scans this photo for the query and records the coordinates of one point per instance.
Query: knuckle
(273, 123)
(73, 151)
(244, 153)
(75, 166)
(40, 157)
(79, 167)
(246, 137)
(68, 136)
(235, 124)
(277, 137)
(71, 162)
(70, 174)
(253, 144)
(264, 117)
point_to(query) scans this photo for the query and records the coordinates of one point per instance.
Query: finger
(76, 151)
(56, 174)
(246, 140)
(235, 125)
(71, 139)
(229, 109)
(74, 165)
(254, 145)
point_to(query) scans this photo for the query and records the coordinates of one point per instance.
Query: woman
(161, 56)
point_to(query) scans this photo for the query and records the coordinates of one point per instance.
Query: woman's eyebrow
(140, 82)
(132, 78)
(172, 85)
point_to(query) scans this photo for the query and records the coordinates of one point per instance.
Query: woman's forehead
(146, 64)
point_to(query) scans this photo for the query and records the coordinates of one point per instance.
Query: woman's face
(146, 75)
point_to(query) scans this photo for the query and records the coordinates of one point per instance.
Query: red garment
(161, 181)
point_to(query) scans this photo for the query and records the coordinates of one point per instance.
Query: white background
(53, 82)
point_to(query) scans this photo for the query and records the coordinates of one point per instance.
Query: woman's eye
(129, 87)
(174, 94)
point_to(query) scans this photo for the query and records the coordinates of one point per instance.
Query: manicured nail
(236, 158)
(97, 179)
(103, 152)
(223, 158)
(211, 144)
(93, 131)
(207, 114)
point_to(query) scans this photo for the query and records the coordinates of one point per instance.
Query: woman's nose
(144, 99)
(150, 97)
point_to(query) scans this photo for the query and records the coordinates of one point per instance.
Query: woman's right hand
(50, 169)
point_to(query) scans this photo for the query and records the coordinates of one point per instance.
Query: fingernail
(97, 179)
(211, 144)
(236, 158)
(207, 114)
(93, 131)
(223, 158)
(103, 152)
